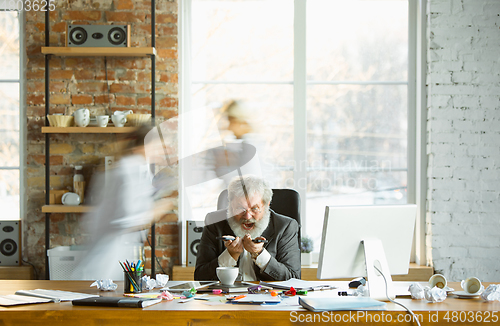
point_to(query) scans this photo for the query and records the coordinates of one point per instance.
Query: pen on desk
(323, 287)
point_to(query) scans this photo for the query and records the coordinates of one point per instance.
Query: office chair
(285, 202)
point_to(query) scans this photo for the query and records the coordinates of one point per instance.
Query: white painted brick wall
(463, 88)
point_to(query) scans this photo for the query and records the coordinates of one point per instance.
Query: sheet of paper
(56, 295)
(14, 300)
(299, 284)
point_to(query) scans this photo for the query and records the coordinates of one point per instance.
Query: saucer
(465, 295)
(448, 289)
(71, 199)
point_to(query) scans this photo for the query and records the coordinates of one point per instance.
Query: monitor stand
(375, 257)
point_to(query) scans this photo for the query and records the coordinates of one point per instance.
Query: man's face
(248, 213)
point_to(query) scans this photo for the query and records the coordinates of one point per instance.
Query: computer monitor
(356, 239)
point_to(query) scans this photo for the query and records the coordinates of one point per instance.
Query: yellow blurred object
(136, 119)
(80, 189)
(55, 196)
(57, 120)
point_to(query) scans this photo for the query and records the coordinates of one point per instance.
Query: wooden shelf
(87, 130)
(65, 209)
(91, 51)
(16, 273)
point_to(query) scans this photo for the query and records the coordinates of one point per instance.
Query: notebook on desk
(122, 302)
(340, 303)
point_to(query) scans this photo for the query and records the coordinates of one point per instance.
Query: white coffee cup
(438, 280)
(227, 275)
(472, 285)
(119, 120)
(102, 120)
(82, 117)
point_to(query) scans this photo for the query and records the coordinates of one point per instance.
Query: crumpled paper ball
(362, 291)
(491, 293)
(435, 294)
(161, 280)
(165, 295)
(105, 285)
(148, 283)
(416, 291)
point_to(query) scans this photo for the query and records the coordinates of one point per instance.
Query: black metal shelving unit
(48, 55)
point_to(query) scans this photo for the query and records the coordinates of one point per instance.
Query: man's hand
(234, 247)
(253, 248)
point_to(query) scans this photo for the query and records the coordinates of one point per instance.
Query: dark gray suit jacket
(282, 233)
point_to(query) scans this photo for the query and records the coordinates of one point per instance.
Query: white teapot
(119, 120)
(125, 113)
(82, 117)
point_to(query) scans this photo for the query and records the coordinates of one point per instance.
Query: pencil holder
(132, 282)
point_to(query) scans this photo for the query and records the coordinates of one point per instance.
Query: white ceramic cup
(119, 120)
(82, 117)
(472, 285)
(227, 275)
(438, 280)
(102, 120)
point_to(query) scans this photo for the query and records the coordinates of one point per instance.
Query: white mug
(82, 117)
(119, 120)
(227, 275)
(102, 120)
(438, 280)
(472, 285)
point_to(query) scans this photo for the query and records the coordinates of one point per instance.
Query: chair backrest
(285, 202)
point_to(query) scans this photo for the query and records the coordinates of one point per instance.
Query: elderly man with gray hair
(262, 243)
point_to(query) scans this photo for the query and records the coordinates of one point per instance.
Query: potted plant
(306, 246)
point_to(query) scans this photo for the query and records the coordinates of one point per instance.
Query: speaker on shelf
(98, 36)
(194, 230)
(10, 243)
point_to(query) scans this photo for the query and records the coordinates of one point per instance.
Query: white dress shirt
(247, 272)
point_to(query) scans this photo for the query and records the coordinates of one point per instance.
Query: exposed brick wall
(77, 82)
(464, 136)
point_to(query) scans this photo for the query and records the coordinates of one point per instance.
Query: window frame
(417, 160)
(22, 112)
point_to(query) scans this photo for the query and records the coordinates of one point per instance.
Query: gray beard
(258, 228)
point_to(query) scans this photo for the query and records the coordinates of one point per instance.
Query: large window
(324, 85)
(9, 114)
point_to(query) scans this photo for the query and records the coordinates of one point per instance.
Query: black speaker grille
(8, 247)
(116, 36)
(194, 247)
(78, 35)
